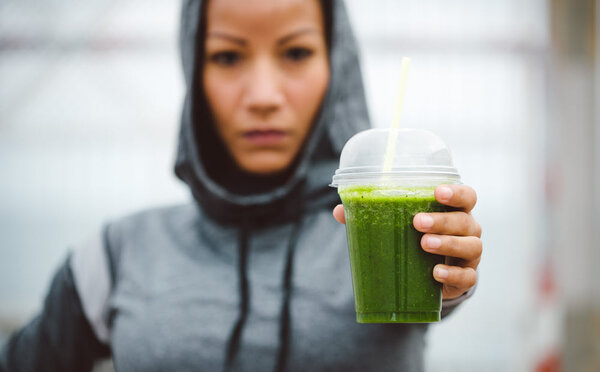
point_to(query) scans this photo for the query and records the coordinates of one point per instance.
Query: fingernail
(425, 220)
(440, 273)
(444, 193)
(433, 242)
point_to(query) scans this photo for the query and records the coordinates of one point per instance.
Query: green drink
(392, 274)
(382, 191)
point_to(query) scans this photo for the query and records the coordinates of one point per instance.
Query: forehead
(262, 17)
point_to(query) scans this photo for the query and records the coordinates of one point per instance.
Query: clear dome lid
(417, 154)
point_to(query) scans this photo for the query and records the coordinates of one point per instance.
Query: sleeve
(72, 332)
(448, 306)
(60, 338)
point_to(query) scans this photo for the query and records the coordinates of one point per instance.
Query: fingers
(467, 248)
(448, 223)
(338, 214)
(459, 196)
(456, 280)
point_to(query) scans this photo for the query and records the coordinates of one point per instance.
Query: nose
(263, 94)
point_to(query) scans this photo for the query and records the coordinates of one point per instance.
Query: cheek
(222, 98)
(305, 95)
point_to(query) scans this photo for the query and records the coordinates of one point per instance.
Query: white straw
(391, 144)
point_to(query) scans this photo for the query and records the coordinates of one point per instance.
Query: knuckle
(474, 226)
(477, 229)
(465, 277)
(465, 223)
(471, 277)
(451, 244)
(459, 192)
(467, 194)
(475, 198)
(471, 193)
(468, 197)
(442, 220)
(478, 248)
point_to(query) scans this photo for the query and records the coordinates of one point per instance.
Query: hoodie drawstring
(285, 320)
(234, 338)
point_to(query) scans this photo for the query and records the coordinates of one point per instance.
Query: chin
(264, 170)
(265, 165)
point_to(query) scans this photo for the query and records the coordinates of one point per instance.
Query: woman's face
(265, 74)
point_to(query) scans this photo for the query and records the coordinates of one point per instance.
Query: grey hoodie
(250, 278)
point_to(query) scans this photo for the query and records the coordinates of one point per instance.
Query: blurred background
(90, 95)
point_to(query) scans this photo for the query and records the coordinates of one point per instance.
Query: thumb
(338, 214)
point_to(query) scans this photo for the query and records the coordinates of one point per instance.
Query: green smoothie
(392, 275)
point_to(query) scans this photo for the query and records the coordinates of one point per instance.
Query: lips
(269, 137)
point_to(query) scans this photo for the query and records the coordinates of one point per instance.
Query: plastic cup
(392, 275)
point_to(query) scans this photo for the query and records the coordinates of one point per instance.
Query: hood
(305, 186)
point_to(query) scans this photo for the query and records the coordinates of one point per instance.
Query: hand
(455, 235)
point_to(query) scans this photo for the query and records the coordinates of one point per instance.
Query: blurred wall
(574, 200)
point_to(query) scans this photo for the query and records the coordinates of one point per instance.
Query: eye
(297, 53)
(226, 58)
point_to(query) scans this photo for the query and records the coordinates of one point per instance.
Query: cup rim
(376, 175)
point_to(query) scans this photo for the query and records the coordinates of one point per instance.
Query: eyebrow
(222, 35)
(295, 34)
(241, 42)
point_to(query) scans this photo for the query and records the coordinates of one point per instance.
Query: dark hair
(327, 9)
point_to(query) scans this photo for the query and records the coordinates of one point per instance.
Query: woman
(254, 275)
